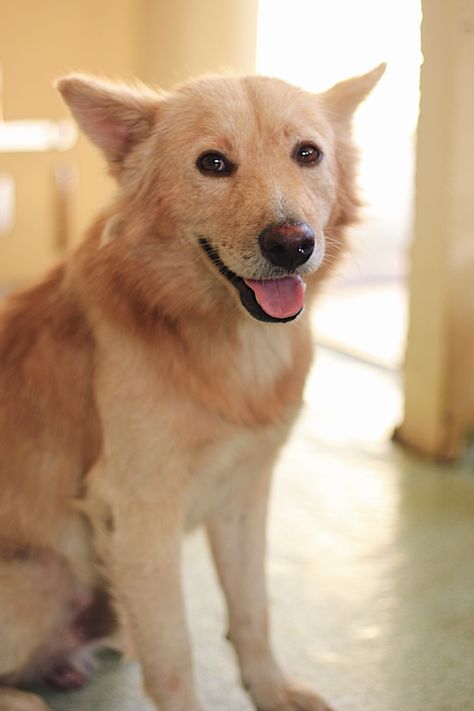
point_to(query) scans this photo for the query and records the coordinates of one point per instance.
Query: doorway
(314, 44)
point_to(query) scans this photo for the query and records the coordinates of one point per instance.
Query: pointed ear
(344, 98)
(114, 116)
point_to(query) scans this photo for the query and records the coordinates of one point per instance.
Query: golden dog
(148, 383)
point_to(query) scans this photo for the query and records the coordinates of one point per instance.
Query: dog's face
(259, 179)
(249, 172)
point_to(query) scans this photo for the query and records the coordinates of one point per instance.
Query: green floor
(371, 567)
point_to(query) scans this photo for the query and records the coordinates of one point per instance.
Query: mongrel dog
(148, 383)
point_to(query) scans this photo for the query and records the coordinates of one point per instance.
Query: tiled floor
(371, 567)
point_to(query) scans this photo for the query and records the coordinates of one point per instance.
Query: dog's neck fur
(258, 359)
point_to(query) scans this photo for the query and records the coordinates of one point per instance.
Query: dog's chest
(236, 451)
(221, 468)
(265, 352)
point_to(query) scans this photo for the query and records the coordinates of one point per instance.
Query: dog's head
(248, 178)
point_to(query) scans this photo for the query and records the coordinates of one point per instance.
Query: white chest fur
(221, 468)
(240, 452)
(155, 437)
(265, 352)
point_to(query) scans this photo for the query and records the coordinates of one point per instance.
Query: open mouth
(273, 300)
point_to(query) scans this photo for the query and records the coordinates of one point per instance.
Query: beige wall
(439, 389)
(38, 42)
(158, 40)
(184, 38)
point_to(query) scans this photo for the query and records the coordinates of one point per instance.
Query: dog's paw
(296, 698)
(15, 700)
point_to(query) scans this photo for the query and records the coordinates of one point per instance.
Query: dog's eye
(215, 164)
(307, 154)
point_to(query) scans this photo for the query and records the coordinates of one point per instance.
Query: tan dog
(147, 384)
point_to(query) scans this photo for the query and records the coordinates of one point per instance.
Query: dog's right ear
(114, 116)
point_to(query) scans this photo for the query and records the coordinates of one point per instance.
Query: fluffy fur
(139, 398)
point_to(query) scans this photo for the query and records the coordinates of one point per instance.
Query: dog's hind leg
(33, 588)
(30, 583)
(50, 625)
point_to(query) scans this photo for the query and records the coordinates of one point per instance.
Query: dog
(149, 381)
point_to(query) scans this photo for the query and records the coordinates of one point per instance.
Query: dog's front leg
(144, 562)
(137, 499)
(237, 538)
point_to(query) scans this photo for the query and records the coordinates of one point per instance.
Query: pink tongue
(279, 298)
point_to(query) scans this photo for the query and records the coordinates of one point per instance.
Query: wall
(158, 40)
(39, 42)
(183, 38)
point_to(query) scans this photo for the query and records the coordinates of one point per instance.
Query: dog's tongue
(279, 298)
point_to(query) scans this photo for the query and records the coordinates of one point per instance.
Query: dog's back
(48, 426)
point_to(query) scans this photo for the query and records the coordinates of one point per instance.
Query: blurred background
(377, 535)
(52, 181)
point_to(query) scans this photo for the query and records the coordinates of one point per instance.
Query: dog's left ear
(114, 116)
(343, 98)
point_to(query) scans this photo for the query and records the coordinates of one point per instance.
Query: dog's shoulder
(46, 355)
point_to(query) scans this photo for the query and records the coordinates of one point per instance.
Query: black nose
(288, 245)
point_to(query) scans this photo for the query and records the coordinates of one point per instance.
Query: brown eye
(215, 164)
(307, 154)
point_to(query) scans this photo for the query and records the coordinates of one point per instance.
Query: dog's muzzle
(273, 300)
